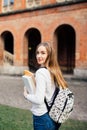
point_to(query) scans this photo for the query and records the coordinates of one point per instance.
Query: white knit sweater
(44, 88)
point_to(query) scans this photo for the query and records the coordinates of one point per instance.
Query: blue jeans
(44, 122)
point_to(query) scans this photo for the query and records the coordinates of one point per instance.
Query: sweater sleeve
(38, 97)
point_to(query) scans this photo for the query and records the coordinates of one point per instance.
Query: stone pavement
(11, 93)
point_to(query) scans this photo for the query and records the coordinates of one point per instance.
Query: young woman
(45, 77)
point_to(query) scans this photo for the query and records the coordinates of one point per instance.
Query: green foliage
(19, 119)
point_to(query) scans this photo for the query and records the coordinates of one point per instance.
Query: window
(33, 3)
(5, 3)
(8, 2)
(11, 2)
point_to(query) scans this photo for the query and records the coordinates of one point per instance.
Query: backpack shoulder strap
(53, 99)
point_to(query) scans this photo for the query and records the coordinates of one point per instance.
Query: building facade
(26, 23)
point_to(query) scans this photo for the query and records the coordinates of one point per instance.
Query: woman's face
(41, 55)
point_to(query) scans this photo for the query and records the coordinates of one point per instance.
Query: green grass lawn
(19, 119)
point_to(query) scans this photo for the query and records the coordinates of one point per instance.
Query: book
(29, 81)
(28, 73)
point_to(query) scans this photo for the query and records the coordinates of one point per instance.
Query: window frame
(7, 3)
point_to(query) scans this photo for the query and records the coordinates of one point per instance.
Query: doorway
(8, 49)
(34, 38)
(65, 35)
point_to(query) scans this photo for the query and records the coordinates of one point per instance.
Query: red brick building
(26, 23)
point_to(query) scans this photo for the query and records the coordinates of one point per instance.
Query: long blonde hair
(52, 65)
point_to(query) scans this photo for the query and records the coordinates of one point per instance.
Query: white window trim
(6, 8)
(33, 4)
(8, 3)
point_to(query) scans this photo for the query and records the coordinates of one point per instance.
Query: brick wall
(46, 21)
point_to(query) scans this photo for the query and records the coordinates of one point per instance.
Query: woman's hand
(25, 92)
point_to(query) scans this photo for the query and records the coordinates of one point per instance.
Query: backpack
(61, 106)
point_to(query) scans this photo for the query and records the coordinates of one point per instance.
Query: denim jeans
(44, 122)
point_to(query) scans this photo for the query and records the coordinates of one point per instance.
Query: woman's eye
(43, 52)
(37, 53)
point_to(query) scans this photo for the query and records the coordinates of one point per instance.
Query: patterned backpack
(61, 106)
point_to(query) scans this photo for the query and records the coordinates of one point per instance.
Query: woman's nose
(39, 55)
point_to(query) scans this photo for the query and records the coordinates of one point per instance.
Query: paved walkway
(11, 93)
